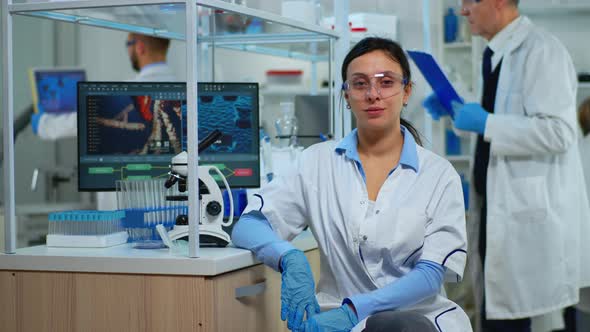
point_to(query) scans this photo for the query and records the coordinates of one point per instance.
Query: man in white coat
(529, 210)
(148, 57)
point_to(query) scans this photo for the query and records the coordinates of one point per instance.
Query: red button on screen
(243, 172)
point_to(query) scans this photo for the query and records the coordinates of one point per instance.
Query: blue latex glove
(36, 118)
(470, 117)
(434, 107)
(341, 319)
(297, 289)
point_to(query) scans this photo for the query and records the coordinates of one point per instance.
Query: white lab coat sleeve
(56, 126)
(283, 202)
(445, 239)
(541, 118)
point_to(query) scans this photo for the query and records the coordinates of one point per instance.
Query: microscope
(211, 233)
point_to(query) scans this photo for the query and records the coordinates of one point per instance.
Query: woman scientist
(388, 215)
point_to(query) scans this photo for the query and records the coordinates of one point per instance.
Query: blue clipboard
(436, 78)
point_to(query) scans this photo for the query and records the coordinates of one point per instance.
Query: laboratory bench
(125, 289)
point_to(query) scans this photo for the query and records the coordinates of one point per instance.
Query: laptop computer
(54, 90)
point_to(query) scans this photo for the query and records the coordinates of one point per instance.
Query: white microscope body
(211, 204)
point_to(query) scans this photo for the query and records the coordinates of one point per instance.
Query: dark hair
(154, 44)
(396, 53)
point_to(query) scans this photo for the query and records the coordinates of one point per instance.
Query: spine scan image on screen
(147, 124)
(131, 131)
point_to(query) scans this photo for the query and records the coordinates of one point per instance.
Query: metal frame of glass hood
(34, 9)
(243, 42)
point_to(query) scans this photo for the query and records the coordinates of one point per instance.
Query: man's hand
(470, 117)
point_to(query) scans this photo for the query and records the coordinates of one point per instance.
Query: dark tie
(482, 149)
(486, 67)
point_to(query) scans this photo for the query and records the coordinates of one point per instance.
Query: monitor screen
(54, 90)
(131, 130)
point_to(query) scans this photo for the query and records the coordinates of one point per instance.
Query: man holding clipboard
(528, 211)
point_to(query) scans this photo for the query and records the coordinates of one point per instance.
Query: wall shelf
(287, 90)
(457, 45)
(553, 9)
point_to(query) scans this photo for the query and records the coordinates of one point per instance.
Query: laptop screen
(55, 90)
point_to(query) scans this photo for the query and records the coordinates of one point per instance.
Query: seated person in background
(388, 215)
(147, 55)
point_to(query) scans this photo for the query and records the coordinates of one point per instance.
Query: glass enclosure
(237, 25)
(221, 23)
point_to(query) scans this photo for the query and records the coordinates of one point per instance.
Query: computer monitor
(54, 89)
(131, 130)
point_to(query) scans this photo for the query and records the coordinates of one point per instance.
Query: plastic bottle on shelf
(464, 30)
(451, 26)
(266, 160)
(286, 126)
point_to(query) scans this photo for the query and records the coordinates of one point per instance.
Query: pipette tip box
(86, 241)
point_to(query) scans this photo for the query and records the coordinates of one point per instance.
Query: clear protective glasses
(465, 3)
(130, 42)
(386, 84)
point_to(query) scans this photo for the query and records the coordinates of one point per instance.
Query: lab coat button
(377, 212)
(365, 238)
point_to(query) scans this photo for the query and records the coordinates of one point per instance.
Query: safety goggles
(469, 2)
(386, 84)
(130, 42)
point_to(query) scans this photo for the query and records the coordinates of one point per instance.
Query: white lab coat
(417, 215)
(57, 126)
(538, 211)
(155, 72)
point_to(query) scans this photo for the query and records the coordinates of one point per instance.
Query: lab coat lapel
(507, 80)
(396, 187)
